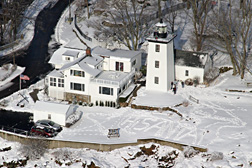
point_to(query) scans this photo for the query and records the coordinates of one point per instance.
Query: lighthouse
(160, 60)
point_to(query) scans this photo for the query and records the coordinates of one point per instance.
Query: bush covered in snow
(190, 152)
(73, 118)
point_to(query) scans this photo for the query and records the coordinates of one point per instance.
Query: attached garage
(52, 111)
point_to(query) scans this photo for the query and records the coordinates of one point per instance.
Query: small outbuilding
(52, 111)
(190, 65)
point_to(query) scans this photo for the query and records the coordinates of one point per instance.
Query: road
(36, 56)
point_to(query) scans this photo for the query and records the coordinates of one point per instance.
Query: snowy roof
(53, 107)
(93, 60)
(128, 91)
(161, 24)
(189, 58)
(57, 55)
(115, 52)
(92, 71)
(56, 73)
(111, 77)
(82, 63)
(71, 53)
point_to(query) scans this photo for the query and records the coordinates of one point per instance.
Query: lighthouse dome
(160, 30)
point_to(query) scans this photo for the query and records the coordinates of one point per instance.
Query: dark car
(40, 131)
(49, 124)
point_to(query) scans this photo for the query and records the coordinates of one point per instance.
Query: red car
(42, 132)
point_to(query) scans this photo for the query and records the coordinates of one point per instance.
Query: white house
(52, 111)
(99, 78)
(191, 65)
(164, 66)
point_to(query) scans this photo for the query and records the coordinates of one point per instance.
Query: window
(157, 49)
(52, 81)
(67, 58)
(49, 117)
(119, 66)
(156, 64)
(77, 86)
(77, 73)
(60, 82)
(133, 63)
(186, 73)
(106, 90)
(156, 80)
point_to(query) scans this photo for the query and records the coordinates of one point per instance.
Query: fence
(193, 99)
(14, 130)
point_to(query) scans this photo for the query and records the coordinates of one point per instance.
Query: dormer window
(77, 73)
(67, 58)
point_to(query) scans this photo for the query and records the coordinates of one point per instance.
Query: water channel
(35, 60)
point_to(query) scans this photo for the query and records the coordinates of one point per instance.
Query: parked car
(40, 131)
(49, 124)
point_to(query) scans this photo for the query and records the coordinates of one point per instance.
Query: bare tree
(159, 10)
(171, 16)
(126, 21)
(10, 18)
(34, 148)
(232, 33)
(198, 13)
(86, 2)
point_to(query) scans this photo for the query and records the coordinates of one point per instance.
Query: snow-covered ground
(220, 122)
(6, 75)
(26, 29)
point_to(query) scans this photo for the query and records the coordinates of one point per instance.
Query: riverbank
(35, 59)
(27, 27)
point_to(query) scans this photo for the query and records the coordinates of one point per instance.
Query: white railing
(116, 83)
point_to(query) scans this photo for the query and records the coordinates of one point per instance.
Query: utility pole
(86, 2)
(70, 19)
(218, 6)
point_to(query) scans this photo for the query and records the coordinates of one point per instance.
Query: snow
(7, 75)
(50, 106)
(149, 98)
(220, 122)
(28, 25)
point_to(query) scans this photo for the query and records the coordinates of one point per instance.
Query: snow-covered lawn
(220, 122)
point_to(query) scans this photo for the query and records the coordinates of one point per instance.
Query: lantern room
(160, 30)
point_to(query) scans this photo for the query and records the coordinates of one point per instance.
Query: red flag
(24, 77)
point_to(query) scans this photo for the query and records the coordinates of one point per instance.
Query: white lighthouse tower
(160, 60)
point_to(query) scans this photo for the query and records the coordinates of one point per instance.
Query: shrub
(185, 103)
(34, 148)
(196, 80)
(189, 82)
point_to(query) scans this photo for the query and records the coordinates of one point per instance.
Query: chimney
(88, 51)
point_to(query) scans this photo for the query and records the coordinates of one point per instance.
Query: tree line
(221, 25)
(11, 15)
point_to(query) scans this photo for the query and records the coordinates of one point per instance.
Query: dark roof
(190, 58)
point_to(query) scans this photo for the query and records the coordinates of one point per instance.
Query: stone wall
(78, 97)
(134, 106)
(99, 147)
